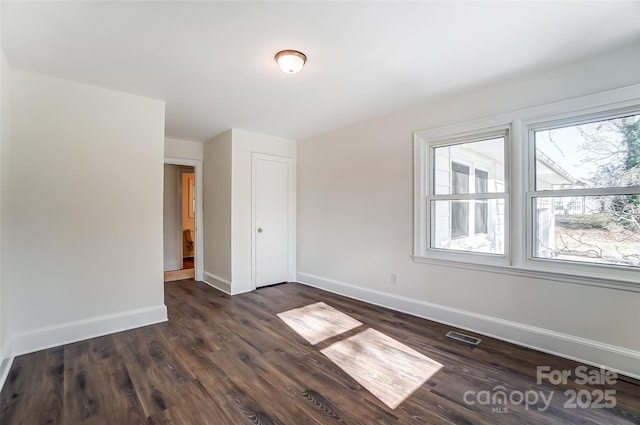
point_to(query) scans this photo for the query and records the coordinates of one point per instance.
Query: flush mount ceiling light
(291, 61)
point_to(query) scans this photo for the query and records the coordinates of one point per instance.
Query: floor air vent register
(464, 338)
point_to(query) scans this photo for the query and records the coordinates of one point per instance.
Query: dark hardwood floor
(223, 360)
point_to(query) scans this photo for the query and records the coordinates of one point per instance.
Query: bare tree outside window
(594, 169)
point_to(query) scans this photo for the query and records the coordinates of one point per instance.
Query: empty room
(319, 212)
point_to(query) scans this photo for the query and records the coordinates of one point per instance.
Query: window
(460, 179)
(466, 195)
(459, 219)
(549, 192)
(588, 169)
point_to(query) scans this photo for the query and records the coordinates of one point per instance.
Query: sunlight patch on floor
(317, 322)
(390, 370)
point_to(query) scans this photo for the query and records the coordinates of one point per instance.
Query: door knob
(259, 229)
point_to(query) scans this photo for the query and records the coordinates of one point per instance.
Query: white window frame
(424, 145)
(518, 238)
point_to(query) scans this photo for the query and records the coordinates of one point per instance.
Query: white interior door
(271, 187)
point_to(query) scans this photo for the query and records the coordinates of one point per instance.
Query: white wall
(185, 149)
(227, 197)
(82, 231)
(217, 211)
(355, 227)
(244, 143)
(172, 236)
(4, 141)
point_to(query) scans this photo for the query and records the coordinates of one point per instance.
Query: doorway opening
(182, 218)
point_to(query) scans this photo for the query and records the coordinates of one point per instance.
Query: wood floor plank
(34, 380)
(153, 364)
(98, 387)
(232, 360)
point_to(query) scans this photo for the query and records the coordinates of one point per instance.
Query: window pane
(593, 229)
(593, 155)
(459, 178)
(482, 178)
(459, 219)
(453, 224)
(480, 219)
(453, 162)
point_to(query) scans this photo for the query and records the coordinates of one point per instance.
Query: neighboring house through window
(459, 209)
(466, 196)
(569, 183)
(464, 221)
(481, 206)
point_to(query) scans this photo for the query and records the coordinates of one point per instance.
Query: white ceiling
(212, 62)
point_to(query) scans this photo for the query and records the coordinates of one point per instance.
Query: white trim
(623, 97)
(618, 359)
(548, 117)
(469, 196)
(217, 282)
(569, 193)
(6, 360)
(246, 284)
(179, 235)
(518, 219)
(172, 266)
(419, 191)
(223, 285)
(537, 270)
(66, 333)
(199, 252)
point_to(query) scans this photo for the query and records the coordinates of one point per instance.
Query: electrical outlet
(394, 278)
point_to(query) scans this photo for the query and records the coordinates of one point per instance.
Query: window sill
(536, 271)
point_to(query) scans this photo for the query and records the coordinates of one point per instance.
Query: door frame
(198, 257)
(291, 210)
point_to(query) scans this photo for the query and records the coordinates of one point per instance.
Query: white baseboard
(6, 360)
(65, 333)
(242, 287)
(171, 266)
(618, 359)
(217, 282)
